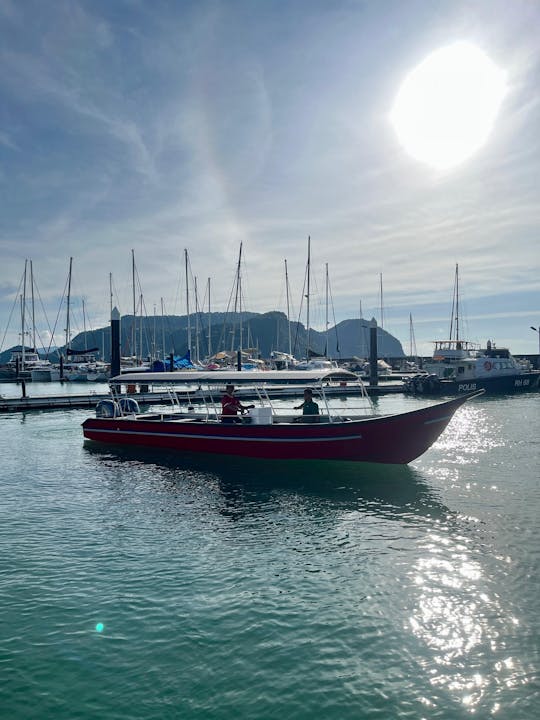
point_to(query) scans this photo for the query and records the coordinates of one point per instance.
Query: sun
(446, 107)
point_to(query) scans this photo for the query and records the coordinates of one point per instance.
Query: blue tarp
(179, 363)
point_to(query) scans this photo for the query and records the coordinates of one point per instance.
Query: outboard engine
(107, 409)
(128, 406)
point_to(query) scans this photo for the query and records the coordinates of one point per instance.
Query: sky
(141, 129)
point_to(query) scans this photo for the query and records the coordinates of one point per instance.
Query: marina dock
(90, 400)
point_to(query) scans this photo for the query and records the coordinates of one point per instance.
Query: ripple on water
(227, 589)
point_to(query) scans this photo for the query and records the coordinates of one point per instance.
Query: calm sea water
(136, 585)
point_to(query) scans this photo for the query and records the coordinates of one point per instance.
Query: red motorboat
(267, 432)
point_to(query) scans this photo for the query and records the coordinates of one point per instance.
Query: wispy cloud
(200, 125)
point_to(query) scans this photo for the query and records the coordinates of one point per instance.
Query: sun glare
(446, 107)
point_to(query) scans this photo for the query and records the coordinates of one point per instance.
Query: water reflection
(394, 492)
(461, 621)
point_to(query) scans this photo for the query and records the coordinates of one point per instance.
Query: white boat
(27, 365)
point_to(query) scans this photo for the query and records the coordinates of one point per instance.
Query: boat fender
(487, 365)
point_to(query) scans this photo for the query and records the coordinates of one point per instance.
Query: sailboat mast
(162, 330)
(238, 298)
(288, 308)
(23, 313)
(84, 325)
(197, 332)
(308, 293)
(187, 303)
(33, 307)
(382, 303)
(110, 294)
(326, 341)
(134, 326)
(141, 327)
(110, 315)
(209, 323)
(240, 301)
(68, 307)
(154, 334)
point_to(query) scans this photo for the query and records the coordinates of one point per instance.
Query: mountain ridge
(262, 332)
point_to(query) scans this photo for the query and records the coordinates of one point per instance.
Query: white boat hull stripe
(225, 437)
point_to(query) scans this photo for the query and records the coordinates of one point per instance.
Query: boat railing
(205, 391)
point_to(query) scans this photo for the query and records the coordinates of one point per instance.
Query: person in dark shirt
(231, 406)
(309, 407)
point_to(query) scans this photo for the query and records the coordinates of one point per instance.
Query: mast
(68, 307)
(33, 307)
(134, 326)
(163, 330)
(382, 304)
(308, 270)
(23, 313)
(187, 303)
(110, 315)
(196, 321)
(454, 317)
(84, 325)
(326, 340)
(209, 323)
(457, 304)
(362, 332)
(154, 329)
(238, 301)
(110, 294)
(141, 327)
(288, 307)
(412, 340)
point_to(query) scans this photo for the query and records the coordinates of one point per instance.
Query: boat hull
(500, 385)
(393, 439)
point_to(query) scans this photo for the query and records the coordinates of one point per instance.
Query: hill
(159, 336)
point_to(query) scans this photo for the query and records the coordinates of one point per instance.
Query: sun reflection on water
(460, 621)
(472, 435)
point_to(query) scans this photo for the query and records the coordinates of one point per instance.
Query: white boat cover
(234, 377)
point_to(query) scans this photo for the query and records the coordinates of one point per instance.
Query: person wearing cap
(231, 405)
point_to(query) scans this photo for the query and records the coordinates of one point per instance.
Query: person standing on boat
(231, 405)
(309, 407)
